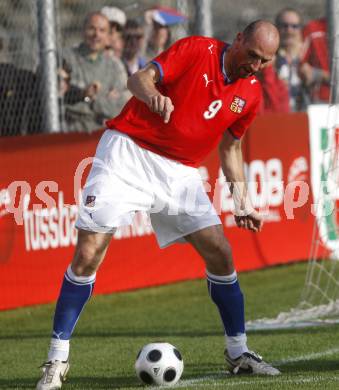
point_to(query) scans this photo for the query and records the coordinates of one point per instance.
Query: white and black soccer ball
(159, 364)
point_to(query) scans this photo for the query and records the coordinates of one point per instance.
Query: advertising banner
(38, 210)
(324, 143)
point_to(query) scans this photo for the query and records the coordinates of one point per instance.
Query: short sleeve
(239, 127)
(176, 60)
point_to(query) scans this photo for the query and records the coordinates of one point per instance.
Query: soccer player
(199, 93)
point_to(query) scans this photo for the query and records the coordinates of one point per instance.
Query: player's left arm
(232, 164)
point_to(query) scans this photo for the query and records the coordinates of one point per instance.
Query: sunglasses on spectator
(284, 25)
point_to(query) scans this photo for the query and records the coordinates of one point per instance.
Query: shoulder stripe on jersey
(222, 64)
(156, 63)
(232, 134)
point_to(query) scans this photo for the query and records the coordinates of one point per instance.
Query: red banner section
(37, 243)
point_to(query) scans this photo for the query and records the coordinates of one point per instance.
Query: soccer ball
(159, 364)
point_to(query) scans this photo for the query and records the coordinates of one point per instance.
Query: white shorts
(126, 178)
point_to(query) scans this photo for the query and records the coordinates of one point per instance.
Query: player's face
(251, 56)
(96, 33)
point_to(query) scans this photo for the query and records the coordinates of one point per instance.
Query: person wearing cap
(101, 80)
(158, 22)
(117, 19)
(160, 39)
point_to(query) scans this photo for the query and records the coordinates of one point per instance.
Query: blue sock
(75, 292)
(226, 294)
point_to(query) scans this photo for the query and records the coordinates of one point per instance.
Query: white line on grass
(200, 382)
(222, 375)
(310, 356)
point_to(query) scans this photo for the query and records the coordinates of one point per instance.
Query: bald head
(252, 49)
(263, 31)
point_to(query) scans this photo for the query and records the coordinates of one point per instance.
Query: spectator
(34, 108)
(316, 60)
(66, 92)
(117, 20)
(158, 23)
(133, 45)
(19, 95)
(64, 73)
(284, 79)
(19, 103)
(274, 92)
(99, 81)
(288, 59)
(159, 40)
(158, 35)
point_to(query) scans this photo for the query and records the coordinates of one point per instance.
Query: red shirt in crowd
(206, 103)
(317, 54)
(275, 92)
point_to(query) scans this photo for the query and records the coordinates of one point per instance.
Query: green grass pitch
(114, 327)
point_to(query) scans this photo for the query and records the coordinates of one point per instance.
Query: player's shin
(226, 294)
(75, 292)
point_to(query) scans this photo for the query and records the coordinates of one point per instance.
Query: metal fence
(27, 70)
(18, 61)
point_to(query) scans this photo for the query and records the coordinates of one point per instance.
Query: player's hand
(252, 221)
(93, 89)
(161, 105)
(113, 94)
(306, 73)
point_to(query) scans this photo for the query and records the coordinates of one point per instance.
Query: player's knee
(218, 250)
(85, 261)
(86, 253)
(226, 251)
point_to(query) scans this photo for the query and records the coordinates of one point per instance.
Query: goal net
(319, 301)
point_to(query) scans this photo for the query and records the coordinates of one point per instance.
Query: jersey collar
(222, 64)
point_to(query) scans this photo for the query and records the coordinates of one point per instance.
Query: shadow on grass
(77, 382)
(129, 334)
(314, 365)
(18, 383)
(204, 371)
(117, 382)
(136, 333)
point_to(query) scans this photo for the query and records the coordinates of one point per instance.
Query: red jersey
(205, 103)
(317, 55)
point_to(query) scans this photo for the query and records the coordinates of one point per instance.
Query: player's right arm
(231, 159)
(142, 85)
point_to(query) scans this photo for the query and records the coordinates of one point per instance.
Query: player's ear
(238, 39)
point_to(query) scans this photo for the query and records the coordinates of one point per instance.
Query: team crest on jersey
(237, 104)
(90, 201)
